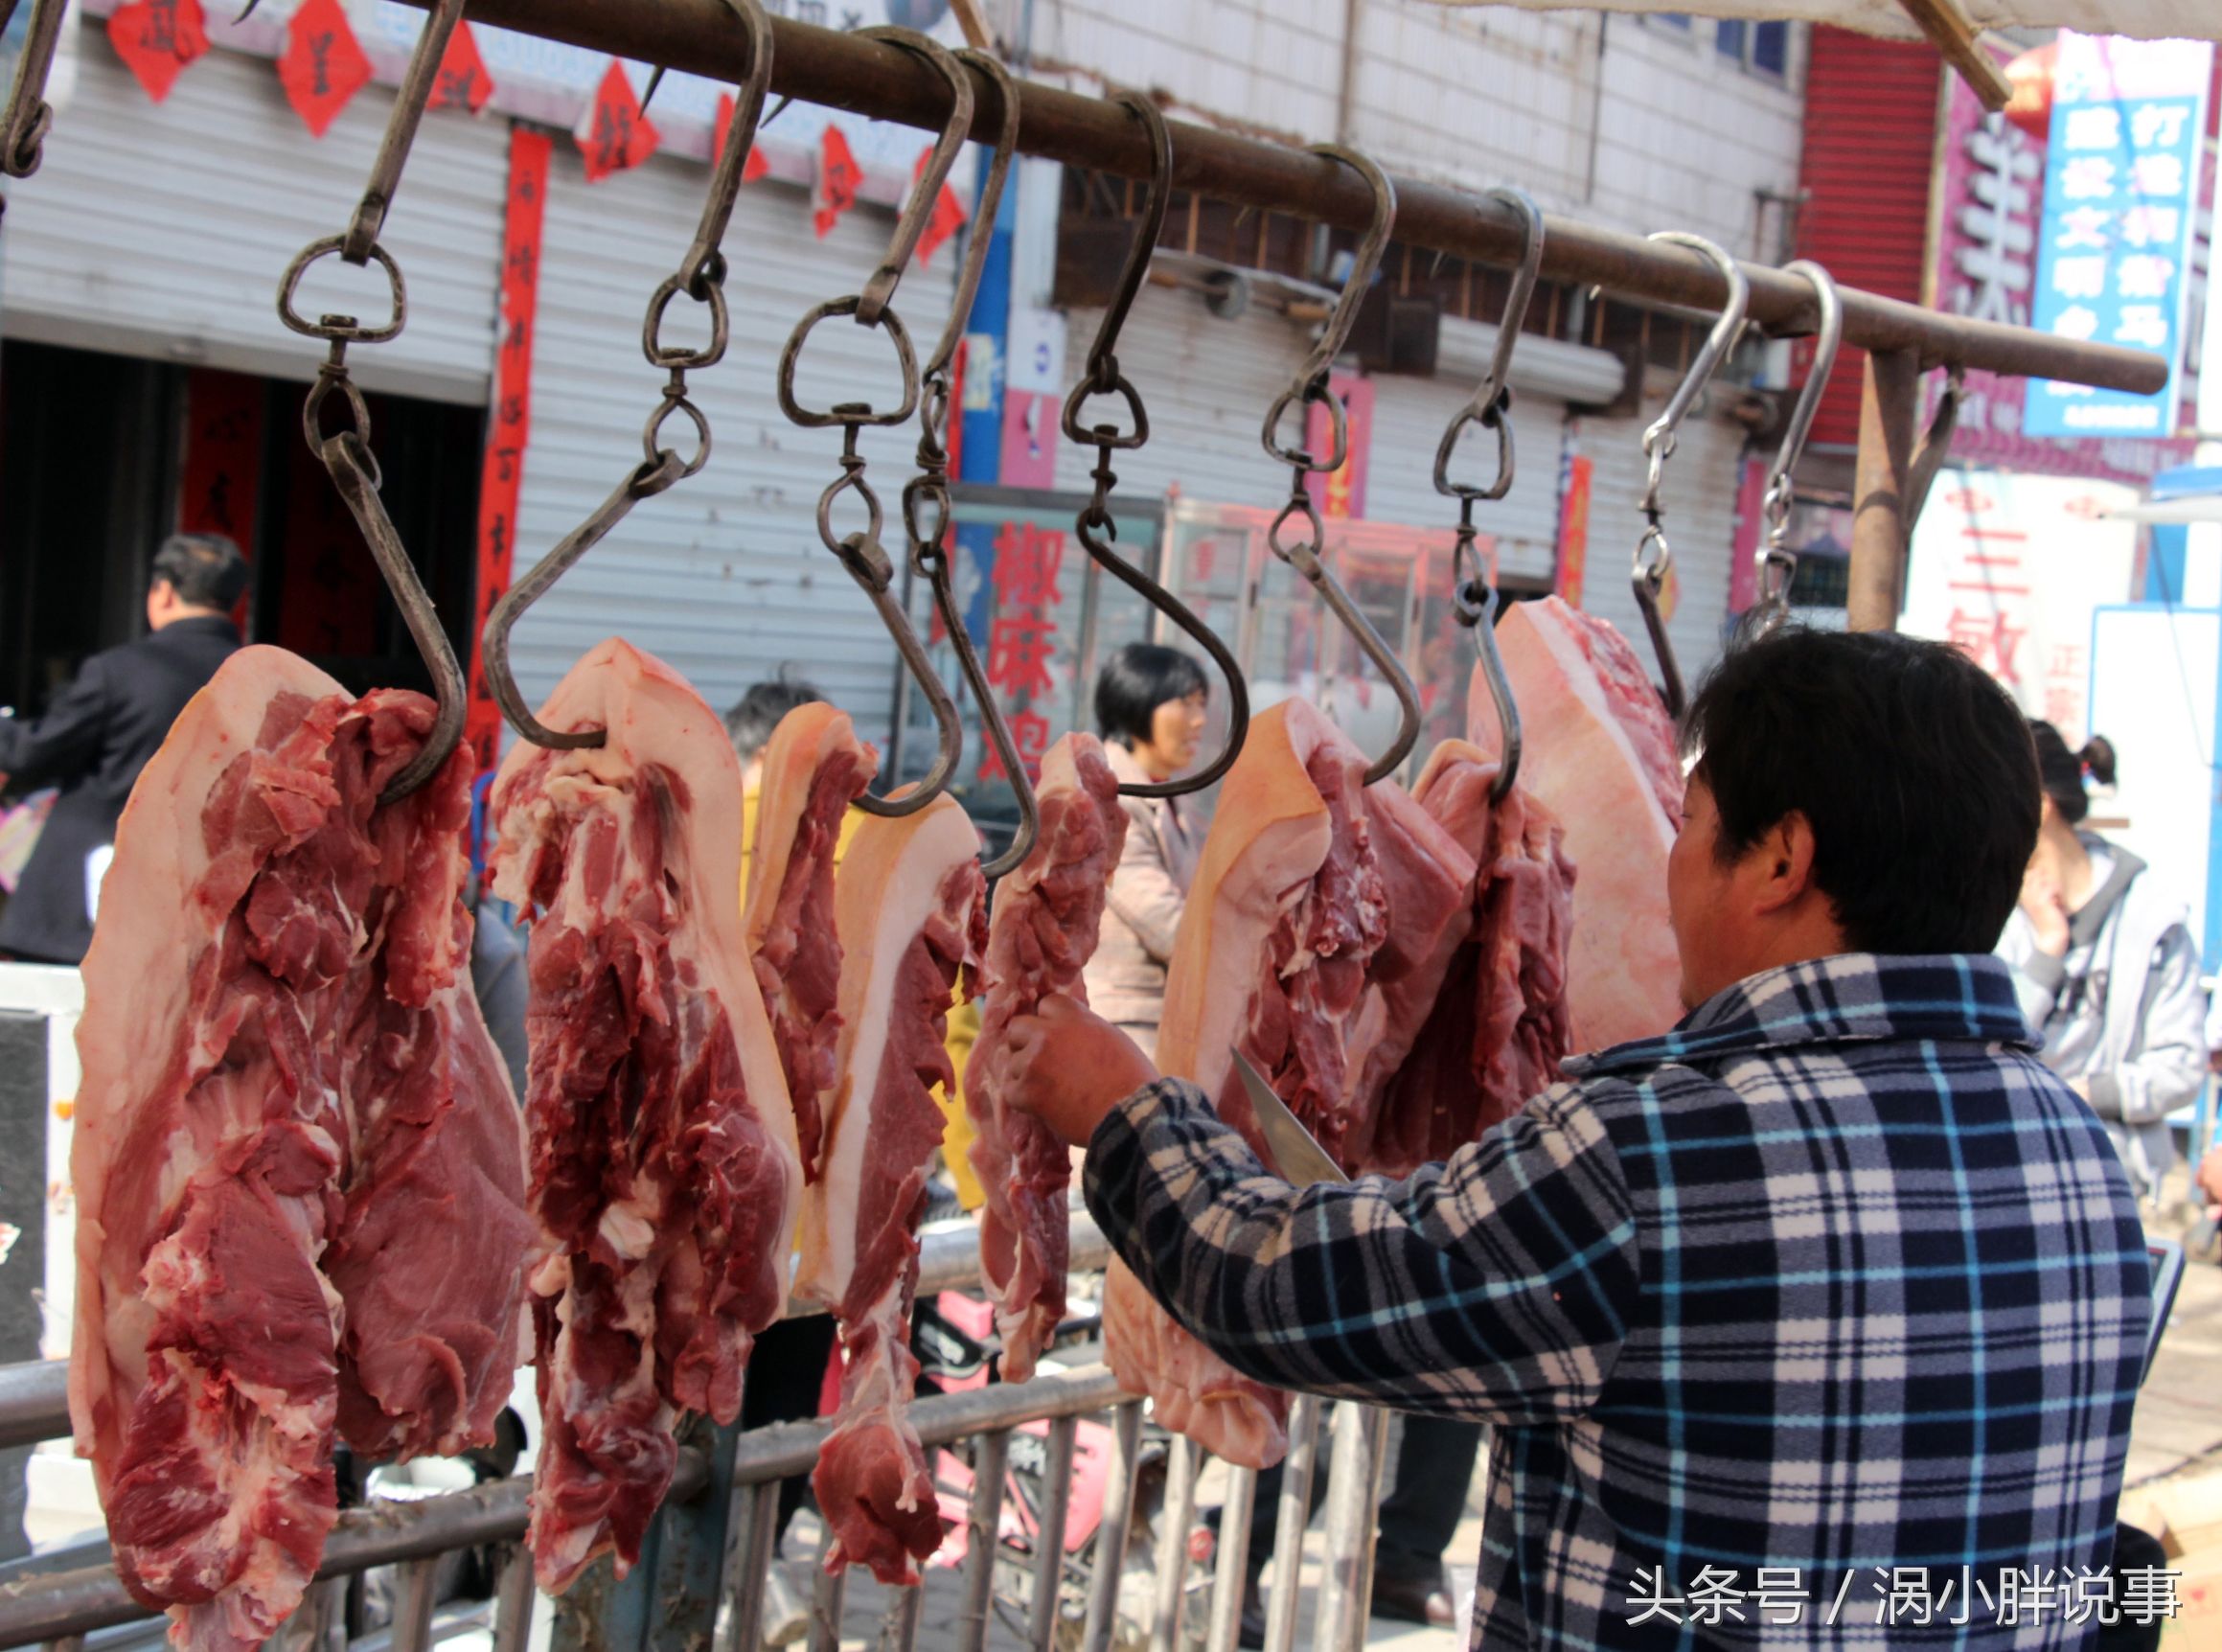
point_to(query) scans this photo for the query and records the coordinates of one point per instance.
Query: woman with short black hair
(1150, 704)
(2106, 967)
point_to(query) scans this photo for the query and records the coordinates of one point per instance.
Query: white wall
(1470, 95)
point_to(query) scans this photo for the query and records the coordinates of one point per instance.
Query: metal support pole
(1350, 1523)
(750, 1566)
(1295, 1515)
(1234, 1522)
(1890, 413)
(1377, 1459)
(1050, 1534)
(419, 1581)
(983, 1524)
(514, 1600)
(844, 70)
(1111, 1533)
(827, 1595)
(898, 1628)
(1173, 1545)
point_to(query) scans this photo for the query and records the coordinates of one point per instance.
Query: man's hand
(1068, 1068)
(2209, 1180)
(2047, 909)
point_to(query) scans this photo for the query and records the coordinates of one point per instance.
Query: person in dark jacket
(101, 730)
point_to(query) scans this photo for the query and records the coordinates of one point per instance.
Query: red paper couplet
(323, 66)
(463, 81)
(947, 216)
(510, 430)
(755, 165)
(620, 136)
(156, 39)
(840, 178)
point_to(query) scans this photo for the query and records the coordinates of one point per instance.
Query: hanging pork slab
(664, 1166)
(298, 1166)
(910, 905)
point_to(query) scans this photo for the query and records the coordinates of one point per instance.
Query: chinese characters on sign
(2008, 569)
(157, 39)
(1989, 187)
(2122, 199)
(503, 477)
(617, 135)
(322, 65)
(1023, 638)
(2010, 1597)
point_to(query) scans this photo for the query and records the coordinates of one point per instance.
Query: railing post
(983, 1529)
(1050, 1534)
(1890, 412)
(1173, 1545)
(1234, 1523)
(1111, 1533)
(1293, 1516)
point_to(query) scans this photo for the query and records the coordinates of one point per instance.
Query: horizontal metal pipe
(847, 72)
(790, 1448)
(59, 1603)
(34, 1395)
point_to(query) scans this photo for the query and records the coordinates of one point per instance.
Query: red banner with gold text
(511, 428)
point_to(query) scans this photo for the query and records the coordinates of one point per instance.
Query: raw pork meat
(664, 1168)
(299, 1170)
(1044, 931)
(910, 905)
(813, 768)
(1599, 756)
(1495, 1024)
(1311, 885)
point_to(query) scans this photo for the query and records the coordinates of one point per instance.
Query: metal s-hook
(30, 117)
(925, 504)
(1654, 556)
(1935, 445)
(702, 277)
(1095, 525)
(1777, 562)
(1473, 596)
(1312, 385)
(860, 553)
(346, 452)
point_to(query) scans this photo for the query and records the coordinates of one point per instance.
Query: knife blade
(1300, 1158)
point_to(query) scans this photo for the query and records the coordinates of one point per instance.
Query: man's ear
(1781, 862)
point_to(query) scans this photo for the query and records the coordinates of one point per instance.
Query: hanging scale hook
(702, 277)
(1777, 562)
(345, 451)
(1312, 385)
(1095, 525)
(1473, 594)
(1654, 556)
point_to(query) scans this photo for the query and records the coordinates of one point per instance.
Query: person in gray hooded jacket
(2106, 969)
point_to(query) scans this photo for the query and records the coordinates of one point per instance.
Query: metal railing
(704, 1575)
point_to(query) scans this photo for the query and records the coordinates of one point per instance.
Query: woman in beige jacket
(1149, 708)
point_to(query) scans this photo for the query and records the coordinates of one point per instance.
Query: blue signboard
(2122, 199)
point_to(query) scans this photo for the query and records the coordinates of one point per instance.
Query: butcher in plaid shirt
(1833, 1282)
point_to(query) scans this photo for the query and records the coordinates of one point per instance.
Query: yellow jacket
(963, 1026)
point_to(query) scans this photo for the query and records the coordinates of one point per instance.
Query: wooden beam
(1951, 32)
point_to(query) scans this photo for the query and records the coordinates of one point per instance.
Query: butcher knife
(1300, 1159)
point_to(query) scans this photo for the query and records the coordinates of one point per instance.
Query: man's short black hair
(205, 571)
(1912, 768)
(757, 715)
(1136, 680)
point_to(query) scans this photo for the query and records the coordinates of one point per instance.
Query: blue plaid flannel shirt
(1834, 1277)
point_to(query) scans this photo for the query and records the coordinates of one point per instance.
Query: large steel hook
(1777, 561)
(1094, 525)
(30, 117)
(1654, 556)
(702, 277)
(1473, 594)
(926, 507)
(860, 553)
(346, 452)
(1312, 385)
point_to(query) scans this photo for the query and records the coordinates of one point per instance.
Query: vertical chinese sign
(2009, 569)
(1574, 530)
(2121, 200)
(1023, 638)
(1987, 195)
(503, 477)
(1341, 493)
